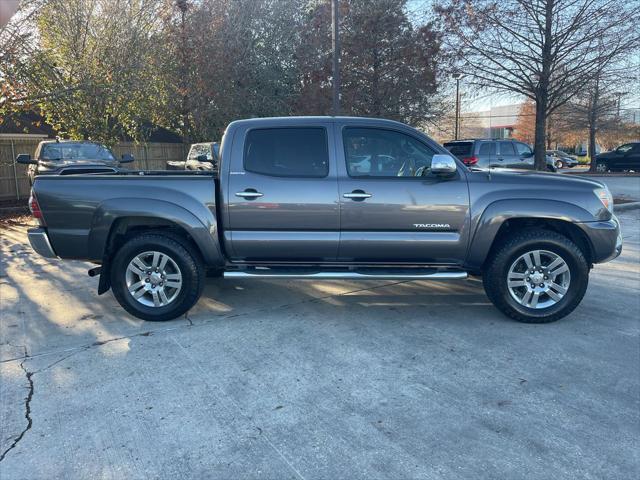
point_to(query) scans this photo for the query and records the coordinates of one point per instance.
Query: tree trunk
(540, 140)
(592, 144)
(593, 125)
(542, 94)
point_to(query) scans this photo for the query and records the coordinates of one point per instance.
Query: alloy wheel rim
(538, 279)
(601, 167)
(153, 279)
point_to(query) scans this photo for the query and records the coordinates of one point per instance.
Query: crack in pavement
(83, 348)
(27, 408)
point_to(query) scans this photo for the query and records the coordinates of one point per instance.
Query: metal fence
(14, 183)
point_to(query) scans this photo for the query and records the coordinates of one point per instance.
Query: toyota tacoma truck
(330, 198)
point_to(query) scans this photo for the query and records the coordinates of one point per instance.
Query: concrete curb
(623, 207)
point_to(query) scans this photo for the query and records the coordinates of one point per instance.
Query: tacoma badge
(432, 225)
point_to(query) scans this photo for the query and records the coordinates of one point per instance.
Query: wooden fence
(14, 183)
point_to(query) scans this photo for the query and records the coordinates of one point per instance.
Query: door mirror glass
(443, 165)
(126, 158)
(25, 159)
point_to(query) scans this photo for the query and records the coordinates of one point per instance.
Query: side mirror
(443, 165)
(202, 158)
(126, 158)
(25, 159)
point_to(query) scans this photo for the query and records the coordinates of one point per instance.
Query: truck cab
(358, 202)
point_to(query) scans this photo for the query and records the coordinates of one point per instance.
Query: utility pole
(457, 77)
(335, 43)
(183, 6)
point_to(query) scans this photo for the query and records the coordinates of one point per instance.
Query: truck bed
(80, 210)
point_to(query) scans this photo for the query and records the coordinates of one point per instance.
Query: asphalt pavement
(622, 186)
(315, 380)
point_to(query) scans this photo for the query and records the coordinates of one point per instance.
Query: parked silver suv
(491, 153)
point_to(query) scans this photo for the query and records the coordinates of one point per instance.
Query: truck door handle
(357, 195)
(249, 193)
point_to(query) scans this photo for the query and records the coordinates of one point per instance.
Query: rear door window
(506, 148)
(459, 149)
(287, 152)
(487, 149)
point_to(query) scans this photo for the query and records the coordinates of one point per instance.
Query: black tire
(185, 257)
(602, 167)
(500, 260)
(559, 164)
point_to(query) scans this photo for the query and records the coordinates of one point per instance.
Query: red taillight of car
(35, 208)
(470, 160)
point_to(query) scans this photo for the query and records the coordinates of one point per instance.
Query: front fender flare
(487, 224)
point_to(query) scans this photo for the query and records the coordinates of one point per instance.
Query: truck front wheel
(157, 277)
(536, 276)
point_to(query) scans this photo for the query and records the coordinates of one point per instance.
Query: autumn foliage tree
(107, 69)
(390, 68)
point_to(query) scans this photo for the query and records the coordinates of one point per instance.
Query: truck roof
(310, 119)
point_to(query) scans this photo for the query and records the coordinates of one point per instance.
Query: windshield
(200, 149)
(75, 151)
(625, 148)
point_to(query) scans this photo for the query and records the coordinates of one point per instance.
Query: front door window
(385, 154)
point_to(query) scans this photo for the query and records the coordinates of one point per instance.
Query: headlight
(604, 195)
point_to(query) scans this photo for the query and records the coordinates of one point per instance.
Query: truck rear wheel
(157, 277)
(536, 276)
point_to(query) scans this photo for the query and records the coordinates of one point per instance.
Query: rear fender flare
(196, 219)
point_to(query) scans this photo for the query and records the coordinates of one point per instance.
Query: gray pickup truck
(330, 198)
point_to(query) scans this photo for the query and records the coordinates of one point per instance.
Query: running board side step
(453, 275)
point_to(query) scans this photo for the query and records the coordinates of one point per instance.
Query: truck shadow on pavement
(49, 305)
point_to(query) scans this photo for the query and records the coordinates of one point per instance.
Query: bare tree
(546, 50)
(597, 105)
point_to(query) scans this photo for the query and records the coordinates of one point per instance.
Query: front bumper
(605, 238)
(39, 241)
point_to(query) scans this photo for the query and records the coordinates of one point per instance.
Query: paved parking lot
(308, 379)
(622, 186)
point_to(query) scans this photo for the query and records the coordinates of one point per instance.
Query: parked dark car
(562, 159)
(67, 157)
(624, 158)
(330, 198)
(488, 153)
